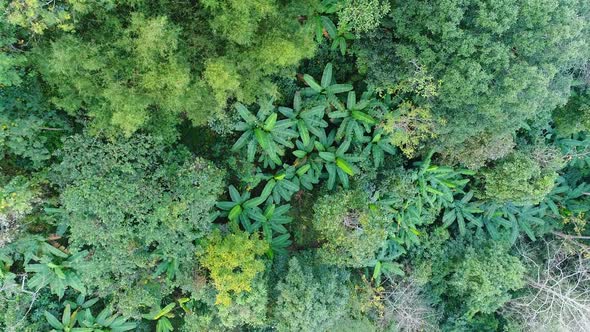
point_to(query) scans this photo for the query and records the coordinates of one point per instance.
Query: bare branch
(558, 294)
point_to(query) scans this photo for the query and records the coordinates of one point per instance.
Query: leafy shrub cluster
(307, 165)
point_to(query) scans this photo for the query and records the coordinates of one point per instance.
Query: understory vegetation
(305, 165)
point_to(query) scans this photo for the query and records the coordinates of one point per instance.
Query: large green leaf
(364, 117)
(165, 310)
(269, 124)
(53, 321)
(327, 156)
(262, 138)
(312, 83)
(242, 141)
(329, 26)
(345, 166)
(327, 76)
(234, 213)
(338, 88)
(245, 114)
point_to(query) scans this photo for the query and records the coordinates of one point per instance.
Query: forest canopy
(304, 165)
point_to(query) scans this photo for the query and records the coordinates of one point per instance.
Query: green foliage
(232, 270)
(481, 150)
(484, 279)
(361, 16)
(415, 198)
(38, 16)
(247, 308)
(17, 199)
(240, 204)
(104, 186)
(307, 121)
(316, 149)
(310, 297)
(162, 316)
(82, 319)
(356, 121)
(409, 127)
(11, 59)
(475, 278)
(352, 325)
(237, 20)
(135, 69)
(271, 220)
(245, 211)
(28, 138)
(573, 117)
(338, 163)
(29, 130)
(520, 179)
(268, 135)
(327, 86)
(43, 264)
(352, 231)
(263, 132)
(104, 104)
(56, 269)
(396, 193)
(377, 147)
(324, 26)
(17, 314)
(499, 64)
(289, 181)
(567, 204)
(461, 210)
(145, 54)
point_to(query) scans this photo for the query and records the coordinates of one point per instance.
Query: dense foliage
(306, 165)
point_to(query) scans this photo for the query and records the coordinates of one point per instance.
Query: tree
(362, 16)
(500, 64)
(475, 279)
(233, 262)
(520, 179)
(351, 231)
(18, 197)
(484, 280)
(138, 207)
(247, 308)
(138, 67)
(124, 80)
(310, 297)
(574, 116)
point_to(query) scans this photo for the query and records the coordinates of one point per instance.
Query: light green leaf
(269, 124)
(345, 166)
(327, 156)
(338, 88)
(234, 213)
(245, 114)
(312, 83)
(165, 310)
(53, 321)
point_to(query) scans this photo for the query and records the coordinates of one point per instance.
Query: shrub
(476, 278)
(247, 308)
(518, 178)
(17, 199)
(352, 232)
(310, 297)
(361, 16)
(233, 263)
(499, 64)
(141, 67)
(138, 207)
